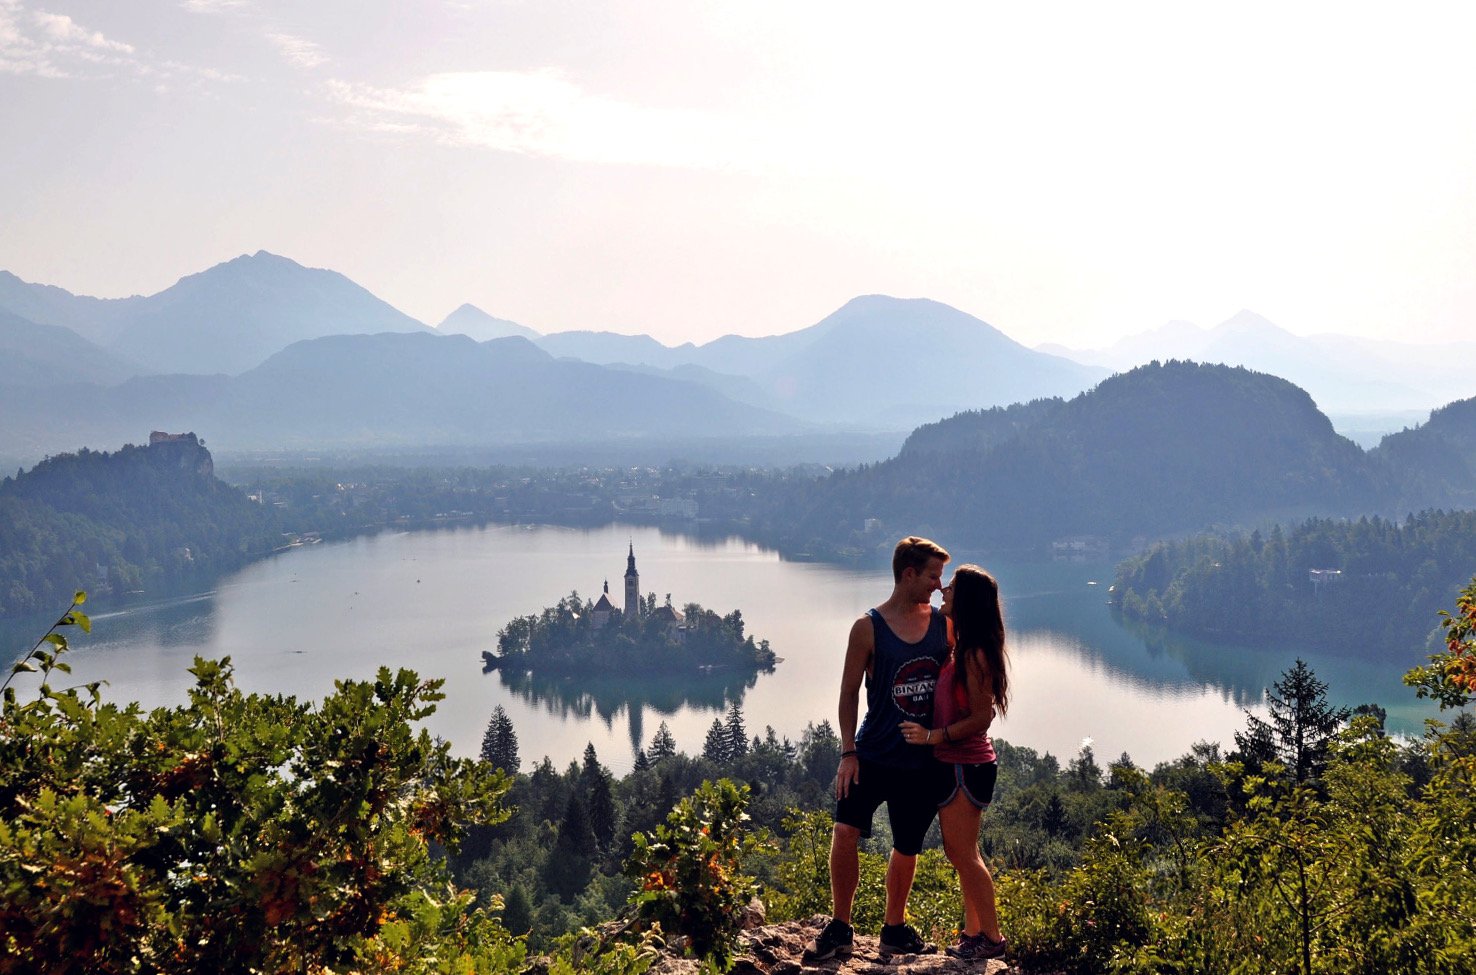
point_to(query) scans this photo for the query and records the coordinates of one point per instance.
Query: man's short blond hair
(915, 553)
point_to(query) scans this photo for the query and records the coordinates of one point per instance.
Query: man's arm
(858, 658)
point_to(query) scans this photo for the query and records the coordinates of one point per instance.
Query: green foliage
(801, 883)
(663, 744)
(142, 518)
(1301, 727)
(1391, 579)
(500, 742)
(1450, 677)
(689, 871)
(237, 832)
(717, 747)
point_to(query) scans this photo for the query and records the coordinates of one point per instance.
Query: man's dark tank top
(900, 688)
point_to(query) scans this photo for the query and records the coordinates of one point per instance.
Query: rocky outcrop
(777, 949)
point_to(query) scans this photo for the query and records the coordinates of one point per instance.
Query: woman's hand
(915, 734)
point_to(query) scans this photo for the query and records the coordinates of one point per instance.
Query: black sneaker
(903, 939)
(834, 941)
(976, 947)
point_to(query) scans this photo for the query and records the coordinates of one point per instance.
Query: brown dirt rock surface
(777, 949)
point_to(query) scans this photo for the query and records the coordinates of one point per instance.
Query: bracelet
(848, 753)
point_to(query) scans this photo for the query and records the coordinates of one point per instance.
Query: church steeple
(632, 585)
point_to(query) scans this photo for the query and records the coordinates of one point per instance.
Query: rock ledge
(777, 949)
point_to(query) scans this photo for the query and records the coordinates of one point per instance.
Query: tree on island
(568, 637)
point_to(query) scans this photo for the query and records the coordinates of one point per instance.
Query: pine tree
(517, 911)
(715, 748)
(1053, 817)
(594, 785)
(603, 819)
(663, 744)
(500, 742)
(737, 734)
(642, 762)
(591, 769)
(567, 870)
(1301, 726)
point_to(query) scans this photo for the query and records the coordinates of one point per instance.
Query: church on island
(604, 609)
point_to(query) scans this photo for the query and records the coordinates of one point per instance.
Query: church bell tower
(632, 585)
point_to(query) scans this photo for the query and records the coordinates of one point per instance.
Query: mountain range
(242, 351)
(226, 319)
(262, 352)
(1346, 375)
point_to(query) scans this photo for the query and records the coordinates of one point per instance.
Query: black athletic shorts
(976, 781)
(910, 795)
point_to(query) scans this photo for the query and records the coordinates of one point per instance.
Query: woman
(972, 687)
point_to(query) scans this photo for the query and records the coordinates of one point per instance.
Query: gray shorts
(975, 781)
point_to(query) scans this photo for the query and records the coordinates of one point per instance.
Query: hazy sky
(1069, 173)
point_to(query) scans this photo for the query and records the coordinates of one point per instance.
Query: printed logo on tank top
(912, 688)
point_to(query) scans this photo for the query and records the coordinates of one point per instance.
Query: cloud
(34, 42)
(48, 45)
(299, 50)
(543, 113)
(212, 6)
(64, 30)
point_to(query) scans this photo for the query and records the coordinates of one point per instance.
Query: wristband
(848, 754)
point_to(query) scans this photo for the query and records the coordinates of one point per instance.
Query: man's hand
(849, 772)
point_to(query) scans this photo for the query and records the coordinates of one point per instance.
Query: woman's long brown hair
(978, 627)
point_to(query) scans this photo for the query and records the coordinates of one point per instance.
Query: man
(897, 648)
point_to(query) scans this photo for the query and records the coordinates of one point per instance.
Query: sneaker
(903, 939)
(834, 940)
(976, 947)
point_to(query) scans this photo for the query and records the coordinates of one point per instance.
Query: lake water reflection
(432, 601)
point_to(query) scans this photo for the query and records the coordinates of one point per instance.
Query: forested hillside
(1166, 448)
(1369, 586)
(1436, 461)
(140, 518)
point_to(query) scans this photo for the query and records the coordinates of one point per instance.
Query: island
(580, 636)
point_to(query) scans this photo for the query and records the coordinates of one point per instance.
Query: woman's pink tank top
(950, 704)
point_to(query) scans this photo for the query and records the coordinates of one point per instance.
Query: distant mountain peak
(471, 320)
(1246, 320)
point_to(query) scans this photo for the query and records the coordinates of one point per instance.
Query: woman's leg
(960, 822)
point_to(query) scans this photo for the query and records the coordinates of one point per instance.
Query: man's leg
(900, 870)
(845, 871)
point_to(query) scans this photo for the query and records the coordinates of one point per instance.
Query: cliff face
(182, 450)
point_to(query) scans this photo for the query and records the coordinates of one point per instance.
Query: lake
(434, 600)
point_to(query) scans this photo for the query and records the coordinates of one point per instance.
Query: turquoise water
(432, 601)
